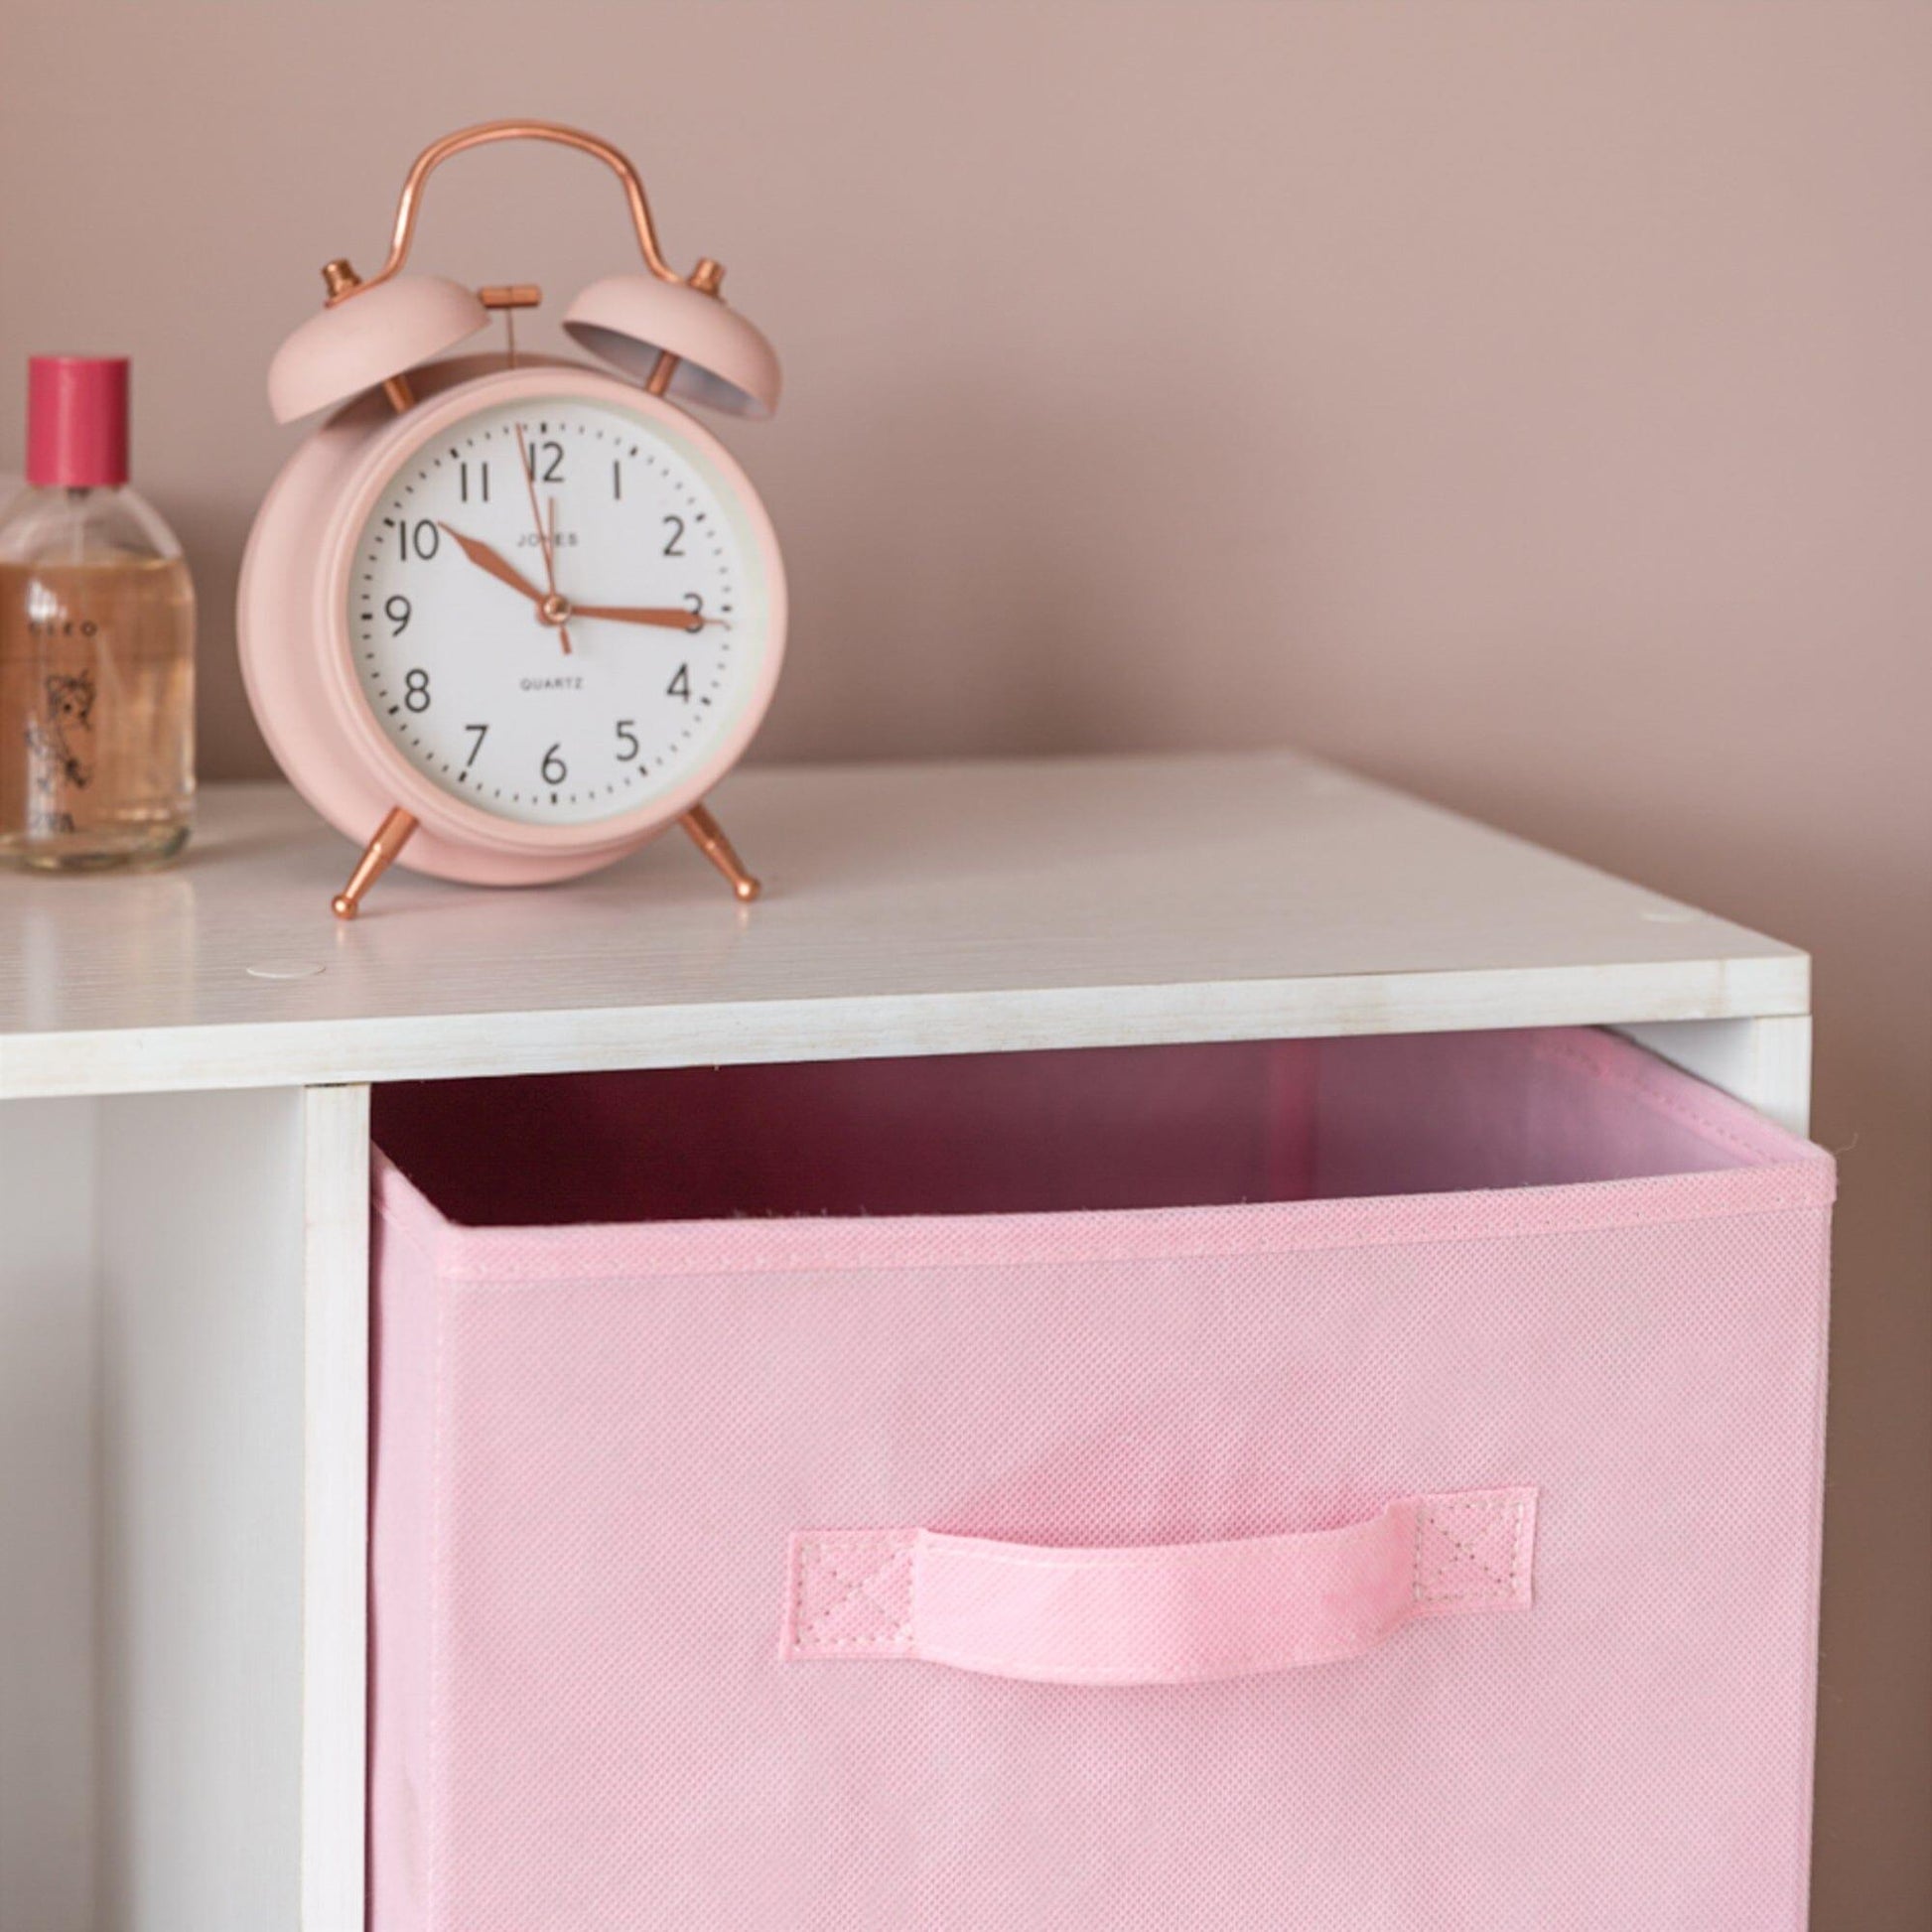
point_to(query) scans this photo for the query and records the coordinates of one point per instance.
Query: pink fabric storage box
(1352, 1484)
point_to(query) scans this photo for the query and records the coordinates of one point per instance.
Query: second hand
(543, 539)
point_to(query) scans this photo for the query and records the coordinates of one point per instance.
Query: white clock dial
(633, 635)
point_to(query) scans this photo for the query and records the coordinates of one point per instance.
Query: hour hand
(500, 568)
(656, 614)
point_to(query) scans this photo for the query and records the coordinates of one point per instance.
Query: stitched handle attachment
(1183, 1615)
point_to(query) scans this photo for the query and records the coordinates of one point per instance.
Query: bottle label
(59, 749)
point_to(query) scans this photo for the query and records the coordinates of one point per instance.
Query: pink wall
(1525, 401)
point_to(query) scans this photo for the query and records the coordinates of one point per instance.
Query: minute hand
(654, 615)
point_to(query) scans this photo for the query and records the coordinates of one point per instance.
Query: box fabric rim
(1786, 1172)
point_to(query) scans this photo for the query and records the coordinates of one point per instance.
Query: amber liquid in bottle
(96, 683)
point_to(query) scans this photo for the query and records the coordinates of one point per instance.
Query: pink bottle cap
(76, 421)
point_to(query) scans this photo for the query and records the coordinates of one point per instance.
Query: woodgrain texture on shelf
(910, 910)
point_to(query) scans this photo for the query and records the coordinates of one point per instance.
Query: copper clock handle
(483, 135)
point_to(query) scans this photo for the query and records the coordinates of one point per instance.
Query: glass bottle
(96, 642)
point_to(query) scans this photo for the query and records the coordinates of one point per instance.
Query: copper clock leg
(377, 857)
(708, 836)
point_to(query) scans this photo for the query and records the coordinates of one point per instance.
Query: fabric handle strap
(1183, 1615)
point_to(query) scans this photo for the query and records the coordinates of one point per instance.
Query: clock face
(558, 608)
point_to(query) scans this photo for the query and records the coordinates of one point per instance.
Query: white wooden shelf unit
(185, 1066)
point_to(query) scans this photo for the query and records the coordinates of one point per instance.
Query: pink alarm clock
(504, 619)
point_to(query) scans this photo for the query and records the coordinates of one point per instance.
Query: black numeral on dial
(546, 462)
(626, 739)
(483, 732)
(553, 769)
(396, 610)
(680, 686)
(482, 481)
(675, 543)
(697, 610)
(415, 690)
(418, 539)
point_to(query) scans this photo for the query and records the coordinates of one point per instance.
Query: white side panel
(334, 1581)
(1765, 1063)
(47, 1337)
(201, 1256)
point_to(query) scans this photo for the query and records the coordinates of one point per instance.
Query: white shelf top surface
(909, 909)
